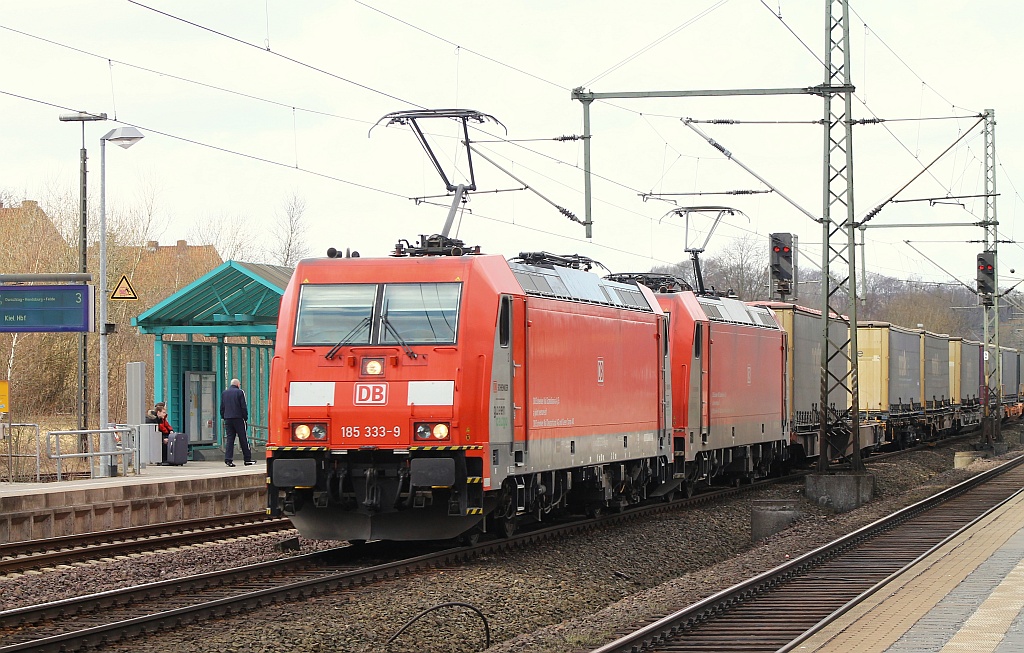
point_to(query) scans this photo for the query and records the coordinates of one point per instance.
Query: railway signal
(782, 256)
(782, 269)
(987, 273)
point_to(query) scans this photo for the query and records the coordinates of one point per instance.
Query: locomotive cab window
(419, 313)
(505, 321)
(329, 314)
(377, 314)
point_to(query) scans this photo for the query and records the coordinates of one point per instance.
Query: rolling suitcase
(177, 449)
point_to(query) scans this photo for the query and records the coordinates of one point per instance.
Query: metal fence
(108, 452)
(258, 434)
(115, 445)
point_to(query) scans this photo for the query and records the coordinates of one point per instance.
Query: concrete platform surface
(967, 596)
(160, 494)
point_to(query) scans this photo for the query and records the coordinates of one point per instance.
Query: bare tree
(233, 237)
(741, 268)
(42, 367)
(288, 246)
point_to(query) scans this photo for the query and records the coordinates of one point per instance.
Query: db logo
(373, 394)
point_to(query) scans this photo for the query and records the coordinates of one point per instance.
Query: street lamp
(82, 399)
(125, 137)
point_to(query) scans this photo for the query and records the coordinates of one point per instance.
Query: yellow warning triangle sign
(124, 290)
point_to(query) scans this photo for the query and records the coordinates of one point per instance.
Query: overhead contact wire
(278, 54)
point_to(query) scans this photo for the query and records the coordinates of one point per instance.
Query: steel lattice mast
(839, 428)
(990, 301)
(838, 262)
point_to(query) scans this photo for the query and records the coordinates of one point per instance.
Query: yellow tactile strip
(879, 621)
(986, 628)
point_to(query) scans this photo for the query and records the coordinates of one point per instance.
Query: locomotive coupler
(372, 500)
(288, 503)
(403, 486)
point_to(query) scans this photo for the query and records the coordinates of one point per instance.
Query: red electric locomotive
(728, 380)
(412, 396)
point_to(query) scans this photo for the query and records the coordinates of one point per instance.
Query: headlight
(431, 431)
(423, 431)
(373, 366)
(304, 432)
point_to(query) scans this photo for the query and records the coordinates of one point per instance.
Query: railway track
(772, 610)
(18, 557)
(85, 621)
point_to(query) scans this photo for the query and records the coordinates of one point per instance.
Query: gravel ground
(555, 598)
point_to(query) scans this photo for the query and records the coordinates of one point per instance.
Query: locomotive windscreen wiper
(401, 341)
(348, 336)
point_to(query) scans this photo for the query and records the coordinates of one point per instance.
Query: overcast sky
(245, 104)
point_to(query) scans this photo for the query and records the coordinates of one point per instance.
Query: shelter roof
(233, 299)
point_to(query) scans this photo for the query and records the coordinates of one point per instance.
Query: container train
(440, 392)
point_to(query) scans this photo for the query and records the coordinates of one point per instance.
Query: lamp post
(125, 137)
(82, 409)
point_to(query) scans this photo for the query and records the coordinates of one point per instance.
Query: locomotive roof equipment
(656, 281)
(695, 252)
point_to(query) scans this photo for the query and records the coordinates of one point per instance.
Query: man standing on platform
(235, 413)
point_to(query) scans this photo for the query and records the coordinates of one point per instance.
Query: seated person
(158, 415)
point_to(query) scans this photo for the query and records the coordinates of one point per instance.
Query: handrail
(107, 450)
(264, 432)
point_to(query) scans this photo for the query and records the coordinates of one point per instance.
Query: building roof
(234, 299)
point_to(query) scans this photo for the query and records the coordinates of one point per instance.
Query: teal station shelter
(220, 327)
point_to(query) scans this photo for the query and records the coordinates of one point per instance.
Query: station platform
(199, 488)
(967, 596)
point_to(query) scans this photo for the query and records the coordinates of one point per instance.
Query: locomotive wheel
(470, 537)
(507, 526)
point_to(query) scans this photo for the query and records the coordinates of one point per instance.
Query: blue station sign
(47, 308)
